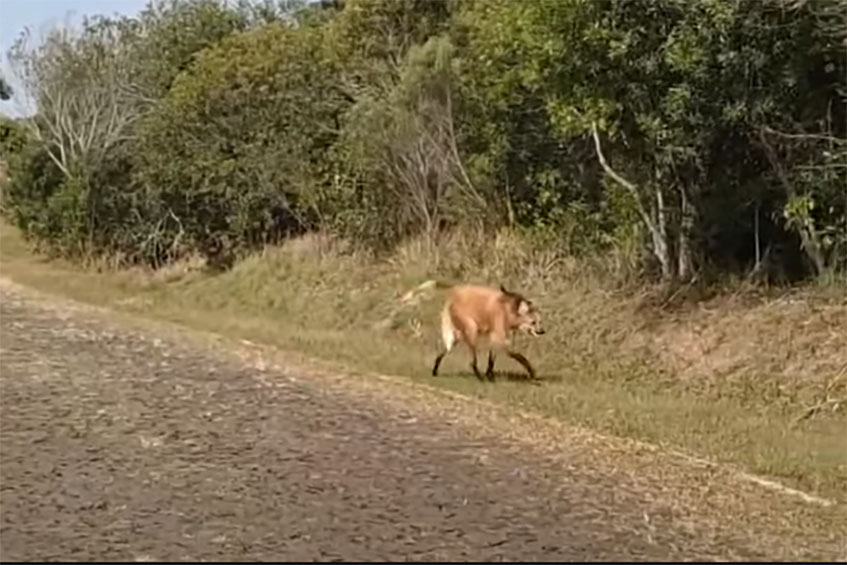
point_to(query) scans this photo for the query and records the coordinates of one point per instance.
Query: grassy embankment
(751, 380)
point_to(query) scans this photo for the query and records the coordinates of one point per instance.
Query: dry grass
(727, 379)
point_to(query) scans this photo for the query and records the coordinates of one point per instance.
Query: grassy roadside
(605, 360)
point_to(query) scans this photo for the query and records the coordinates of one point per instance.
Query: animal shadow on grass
(517, 376)
(508, 376)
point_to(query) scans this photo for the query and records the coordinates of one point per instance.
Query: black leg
(437, 363)
(523, 361)
(490, 371)
(474, 367)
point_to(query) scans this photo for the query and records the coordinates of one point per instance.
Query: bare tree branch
(657, 229)
(807, 236)
(807, 136)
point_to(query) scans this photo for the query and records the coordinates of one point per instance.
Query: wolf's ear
(523, 308)
(503, 289)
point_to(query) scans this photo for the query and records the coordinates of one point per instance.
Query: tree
(170, 34)
(660, 81)
(92, 86)
(235, 151)
(80, 84)
(686, 138)
(403, 145)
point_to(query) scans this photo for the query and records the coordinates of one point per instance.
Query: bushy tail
(391, 320)
(430, 284)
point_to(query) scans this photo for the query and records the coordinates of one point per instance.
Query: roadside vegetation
(667, 180)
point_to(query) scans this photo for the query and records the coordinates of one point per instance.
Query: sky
(41, 15)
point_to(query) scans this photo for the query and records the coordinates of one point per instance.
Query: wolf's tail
(428, 285)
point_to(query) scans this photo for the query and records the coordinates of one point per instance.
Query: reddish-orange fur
(472, 313)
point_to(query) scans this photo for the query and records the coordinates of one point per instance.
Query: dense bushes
(236, 149)
(692, 137)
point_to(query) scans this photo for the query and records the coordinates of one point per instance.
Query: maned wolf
(473, 312)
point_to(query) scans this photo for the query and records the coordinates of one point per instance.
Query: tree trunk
(655, 226)
(660, 236)
(685, 268)
(808, 238)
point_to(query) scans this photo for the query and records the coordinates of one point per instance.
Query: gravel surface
(118, 444)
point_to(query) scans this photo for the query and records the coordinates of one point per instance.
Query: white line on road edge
(787, 490)
(744, 475)
(761, 481)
